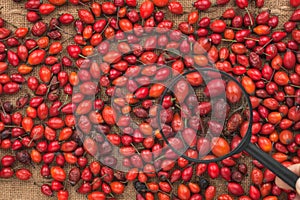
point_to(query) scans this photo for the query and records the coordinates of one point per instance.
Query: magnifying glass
(222, 106)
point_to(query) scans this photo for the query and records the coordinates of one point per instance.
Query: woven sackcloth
(15, 14)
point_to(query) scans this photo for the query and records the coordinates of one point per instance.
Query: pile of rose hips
(40, 127)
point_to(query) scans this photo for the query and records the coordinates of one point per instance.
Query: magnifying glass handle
(277, 168)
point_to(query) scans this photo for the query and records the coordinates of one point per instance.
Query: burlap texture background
(13, 13)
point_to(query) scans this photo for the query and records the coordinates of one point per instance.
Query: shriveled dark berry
(55, 35)
(237, 176)
(203, 183)
(53, 24)
(140, 187)
(5, 134)
(23, 157)
(242, 168)
(8, 107)
(74, 175)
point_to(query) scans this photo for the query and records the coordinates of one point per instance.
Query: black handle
(277, 168)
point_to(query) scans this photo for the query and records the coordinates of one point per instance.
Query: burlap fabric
(15, 14)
